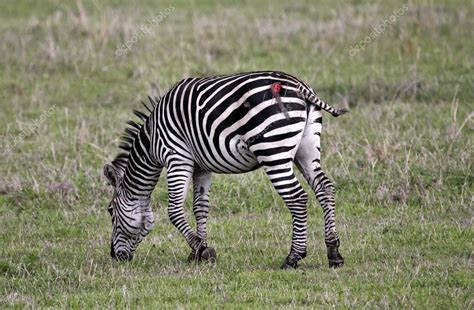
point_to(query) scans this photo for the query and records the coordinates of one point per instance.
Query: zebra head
(132, 219)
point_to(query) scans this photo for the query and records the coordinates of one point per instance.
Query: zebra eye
(109, 208)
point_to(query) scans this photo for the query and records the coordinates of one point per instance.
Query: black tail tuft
(338, 112)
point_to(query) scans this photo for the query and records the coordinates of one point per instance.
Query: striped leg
(308, 161)
(325, 193)
(202, 185)
(289, 188)
(179, 177)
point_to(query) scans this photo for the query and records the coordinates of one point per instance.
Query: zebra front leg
(179, 177)
(202, 185)
(289, 188)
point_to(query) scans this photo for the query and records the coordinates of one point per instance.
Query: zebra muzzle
(120, 255)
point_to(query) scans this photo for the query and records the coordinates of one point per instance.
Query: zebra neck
(142, 171)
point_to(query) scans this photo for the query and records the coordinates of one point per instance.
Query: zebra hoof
(193, 257)
(288, 265)
(209, 255)
(291, 262)
(336, 261)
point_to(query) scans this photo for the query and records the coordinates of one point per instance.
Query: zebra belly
(233, 157)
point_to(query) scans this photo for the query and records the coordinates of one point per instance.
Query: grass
(401, 160)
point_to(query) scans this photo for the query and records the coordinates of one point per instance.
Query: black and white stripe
(222, 124)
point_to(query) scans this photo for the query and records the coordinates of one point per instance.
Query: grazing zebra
(222, 124)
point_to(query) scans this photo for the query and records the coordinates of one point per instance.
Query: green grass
(401, 159)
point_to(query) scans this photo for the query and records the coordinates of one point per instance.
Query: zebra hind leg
(308, 160)
(288, 187)
(325, 193)
(202, 184)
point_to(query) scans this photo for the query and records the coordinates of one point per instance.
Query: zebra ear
(110, 173)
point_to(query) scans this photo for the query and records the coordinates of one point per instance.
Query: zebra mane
(131, 133)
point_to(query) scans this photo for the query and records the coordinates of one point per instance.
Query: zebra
(224, 124)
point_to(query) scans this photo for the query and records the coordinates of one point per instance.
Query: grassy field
(401, 159)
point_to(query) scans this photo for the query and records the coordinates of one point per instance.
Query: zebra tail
(315, 100)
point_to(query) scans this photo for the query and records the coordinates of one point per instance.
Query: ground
(401, 159)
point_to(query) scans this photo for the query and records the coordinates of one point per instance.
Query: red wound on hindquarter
(276, 88)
